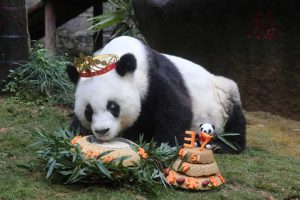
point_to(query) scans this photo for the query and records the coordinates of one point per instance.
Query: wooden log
(14, 37)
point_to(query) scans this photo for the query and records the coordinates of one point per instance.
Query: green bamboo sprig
(65, 163)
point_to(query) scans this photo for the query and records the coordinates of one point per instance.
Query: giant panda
(157, 95)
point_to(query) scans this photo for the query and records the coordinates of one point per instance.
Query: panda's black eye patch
(209, 131)
(88, 113)
(114, 108)
(201, 129)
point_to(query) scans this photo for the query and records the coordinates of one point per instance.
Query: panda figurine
(157, 95)
(206, 134)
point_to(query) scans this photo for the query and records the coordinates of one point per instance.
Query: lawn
(268, 169)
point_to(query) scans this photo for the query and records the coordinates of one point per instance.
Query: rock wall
(73, 37)
(256, 43)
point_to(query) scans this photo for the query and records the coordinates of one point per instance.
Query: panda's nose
(102, 132)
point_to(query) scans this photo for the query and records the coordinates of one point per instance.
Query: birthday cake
(116, 148)
(194, 169)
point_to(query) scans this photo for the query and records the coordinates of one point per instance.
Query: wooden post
(50, 28)
(98, 36)
(14, 37)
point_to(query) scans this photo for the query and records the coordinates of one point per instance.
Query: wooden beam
(50, 28)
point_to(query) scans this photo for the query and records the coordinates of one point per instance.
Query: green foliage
(222, 136)
(122, 17)
(66, 163)
(41, 79)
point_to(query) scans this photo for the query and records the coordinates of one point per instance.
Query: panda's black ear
(72, 73)
(213, 127)
(126, 64)
(200, 125)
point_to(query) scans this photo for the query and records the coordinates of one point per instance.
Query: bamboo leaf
(88, 163)
(51, 168)
(182, 161)
(28, 166)
(227, 142)
(103, 169)
(38, 143)
(74, 175)
(228, 134)
(74, 156)
(106, 20)
(40, 134)
(82, 172)
(120, 160)
(66, 173)
(105, 153)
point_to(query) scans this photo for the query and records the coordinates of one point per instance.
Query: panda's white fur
(92, 91)
(128, 91)
(211, 96)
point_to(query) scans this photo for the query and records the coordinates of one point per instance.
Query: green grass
(41, 79)
(268, 169)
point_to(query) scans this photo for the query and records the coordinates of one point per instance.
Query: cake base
(119, 147)
(194, 183)
(195, 170)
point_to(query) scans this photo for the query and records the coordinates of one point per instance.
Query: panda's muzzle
(102, 132)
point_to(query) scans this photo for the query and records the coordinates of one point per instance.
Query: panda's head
(108, 103)
(207, 128)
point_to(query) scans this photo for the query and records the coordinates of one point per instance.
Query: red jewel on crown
(88, 66)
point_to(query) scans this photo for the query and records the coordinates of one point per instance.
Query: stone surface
(256, 43)
(74, 37)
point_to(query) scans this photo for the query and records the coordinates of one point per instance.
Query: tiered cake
(195, 170)
(116, 148)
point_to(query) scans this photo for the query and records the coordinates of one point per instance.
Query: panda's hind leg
(236, 123)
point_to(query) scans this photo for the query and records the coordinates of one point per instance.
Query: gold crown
(88, 66)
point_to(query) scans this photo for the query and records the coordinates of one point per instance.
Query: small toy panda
(157, 95)
(207, 132)
(207, 128)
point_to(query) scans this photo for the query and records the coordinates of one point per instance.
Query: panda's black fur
(236, 123)
(165, 112)
(163, 103)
